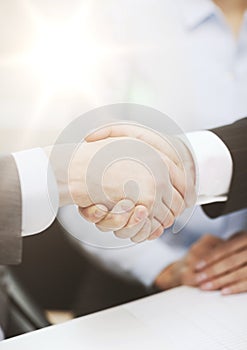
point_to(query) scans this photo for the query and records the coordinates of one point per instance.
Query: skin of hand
(225, 268)
(183, 271)
(181, 173)
(153, 190)
(122, 213)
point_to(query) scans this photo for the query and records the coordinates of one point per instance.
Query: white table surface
(183, 318)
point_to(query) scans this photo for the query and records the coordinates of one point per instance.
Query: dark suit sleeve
(10, 212)
(235, 138)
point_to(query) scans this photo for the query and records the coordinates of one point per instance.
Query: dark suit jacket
(10, 225)
(235, 138)
(10, 212)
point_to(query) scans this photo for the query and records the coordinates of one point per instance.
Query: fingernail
(207, 286)
(98, 213)
(141, 214)
(201, 277)
(127, 205)
(226, 291)
(200, 264)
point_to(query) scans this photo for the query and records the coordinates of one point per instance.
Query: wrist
(68, 171)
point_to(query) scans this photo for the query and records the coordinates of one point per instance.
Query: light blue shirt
(219, 61)
(219, 72)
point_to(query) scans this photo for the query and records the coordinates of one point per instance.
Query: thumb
(99, 134)
(116, 130)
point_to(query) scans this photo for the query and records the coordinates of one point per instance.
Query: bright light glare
(63, 58)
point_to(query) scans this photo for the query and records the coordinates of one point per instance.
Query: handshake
(128, 179)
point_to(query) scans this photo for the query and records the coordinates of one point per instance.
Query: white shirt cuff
(214, 166)
(39, 192)
(1, 334)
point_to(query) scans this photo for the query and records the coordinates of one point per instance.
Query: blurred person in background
(187, 59)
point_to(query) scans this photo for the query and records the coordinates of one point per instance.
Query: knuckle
(217, 283)
(214, 270)
(208, 237)
(136, 239)
(115, 220)
(168, 221)
(234, 260)
(84, 212)
(149, 201)
(238, 274)
(121, 234)
(186, 278)
(194, 248)
(102, 227)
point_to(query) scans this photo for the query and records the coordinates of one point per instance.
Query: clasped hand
(131, 180)
(211, 264)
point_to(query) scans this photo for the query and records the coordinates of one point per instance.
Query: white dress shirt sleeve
(214, 166)
(39, 192)
(143, 261)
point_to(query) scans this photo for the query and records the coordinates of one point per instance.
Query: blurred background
(51, 65)
(61, 58)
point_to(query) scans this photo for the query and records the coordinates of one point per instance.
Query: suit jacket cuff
(234, 137)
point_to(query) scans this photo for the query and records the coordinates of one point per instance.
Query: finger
(188, 277)
(183, 186)
(238, 287)
(117, 130)
(223, 266)
(138, 131)
(228, 248)
(228, 279)
(238, 235)
(118, 217)
(156, 229)
(176, 204)
(177, 177)
(203, 246)
(163, 215)
(169, 277)
(182, 176)
(209, 240)
(135, 223)
(94, 213)
(144, 232)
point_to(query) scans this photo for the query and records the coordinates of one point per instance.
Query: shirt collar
(196, 12)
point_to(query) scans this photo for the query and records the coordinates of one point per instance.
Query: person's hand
(72, 189)
(154, 187)
(225, 267)
(178, 156)
(135, 220)
(183, 271)
(181, 178)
